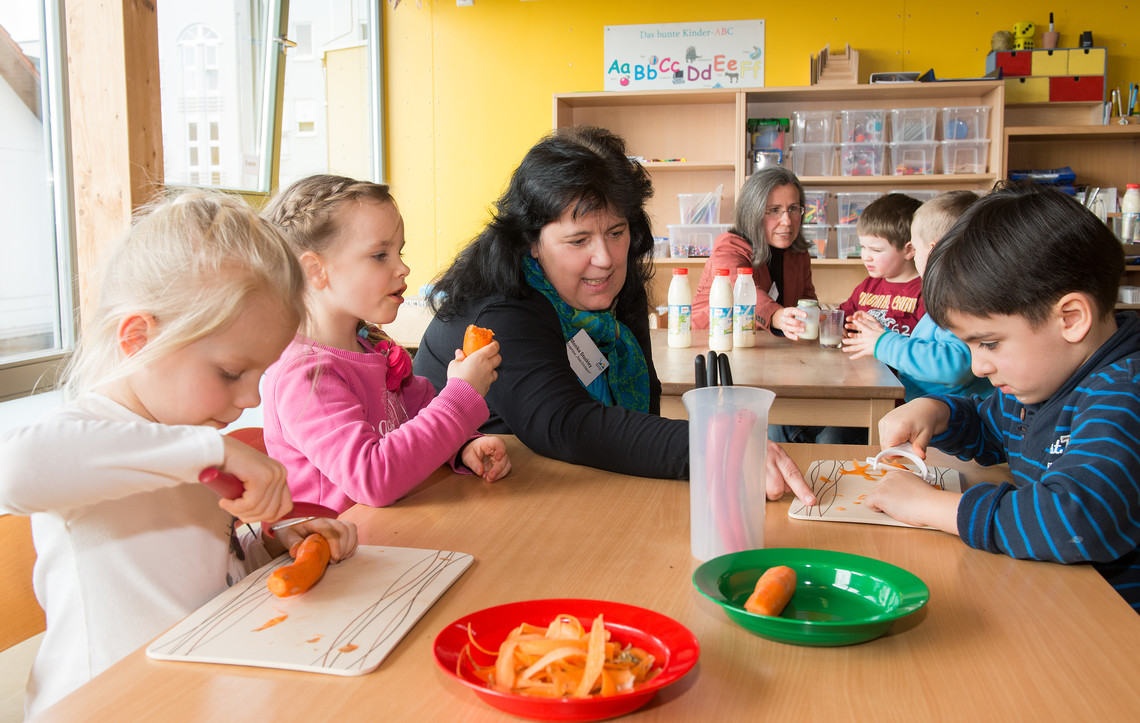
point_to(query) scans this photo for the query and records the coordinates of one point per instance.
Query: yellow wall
(468, 89)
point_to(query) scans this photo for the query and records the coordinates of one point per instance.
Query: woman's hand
(486, 457)
(478, 369)
(341, 536)
(790, 320)
(784, 475)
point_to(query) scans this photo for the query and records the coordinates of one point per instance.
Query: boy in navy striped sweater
(1028, 279)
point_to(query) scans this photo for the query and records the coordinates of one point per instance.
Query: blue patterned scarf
(626, 382)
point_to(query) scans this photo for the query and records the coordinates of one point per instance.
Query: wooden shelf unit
(707, 129)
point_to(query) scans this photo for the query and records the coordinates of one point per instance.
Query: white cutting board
(344, 625)
(840, 488)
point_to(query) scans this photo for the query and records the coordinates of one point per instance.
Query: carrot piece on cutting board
(308, 567)
(475, 338)
(773, 591)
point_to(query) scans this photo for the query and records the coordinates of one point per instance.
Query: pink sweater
(344, 438)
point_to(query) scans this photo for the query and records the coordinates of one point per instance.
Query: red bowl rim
(681, 656)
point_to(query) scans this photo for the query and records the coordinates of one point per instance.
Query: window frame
(41, 371)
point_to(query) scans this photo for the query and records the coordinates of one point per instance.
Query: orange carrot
(773, 591)
(475, 338)
(308, 567)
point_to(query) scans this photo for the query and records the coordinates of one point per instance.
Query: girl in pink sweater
(343, 410)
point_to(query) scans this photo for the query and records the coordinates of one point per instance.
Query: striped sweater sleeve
(1078, 500)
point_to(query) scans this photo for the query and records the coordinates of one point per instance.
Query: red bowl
(674, 647)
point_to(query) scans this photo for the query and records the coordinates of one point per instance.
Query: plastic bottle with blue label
(720, 312)
(744, 309)
(680, 310)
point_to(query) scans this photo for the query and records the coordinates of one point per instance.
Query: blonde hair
(935, 217)
(191, 262)
(308, 214)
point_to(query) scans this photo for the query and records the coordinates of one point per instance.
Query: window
(37, 295)
(331, 98)
(217, 63)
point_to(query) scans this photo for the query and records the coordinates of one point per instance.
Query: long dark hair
(580, 167)
(1017, 251)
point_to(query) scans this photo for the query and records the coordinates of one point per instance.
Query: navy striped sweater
(1075, 463)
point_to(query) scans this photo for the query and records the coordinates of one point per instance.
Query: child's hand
(478, 370)
(341, 536)
(266, 496)
(487, 457)
(865, 333)
(790, 321)
(916, 422)
(907, 498)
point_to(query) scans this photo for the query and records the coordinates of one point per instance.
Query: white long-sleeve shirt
(127, 542)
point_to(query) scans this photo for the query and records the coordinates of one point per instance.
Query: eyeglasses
(792, 211)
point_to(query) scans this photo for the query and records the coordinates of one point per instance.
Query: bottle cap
(745, 270)
(720, 272)
(1132, 185)
(682, 271)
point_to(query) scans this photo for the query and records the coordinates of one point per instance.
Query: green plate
(840, 599)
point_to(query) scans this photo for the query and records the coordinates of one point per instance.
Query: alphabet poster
(668, 56)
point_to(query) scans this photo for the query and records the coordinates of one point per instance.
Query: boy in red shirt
(892, 292)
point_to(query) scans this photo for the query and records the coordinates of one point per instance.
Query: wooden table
(813, 386)
(999, 639)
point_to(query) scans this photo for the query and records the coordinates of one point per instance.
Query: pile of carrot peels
(561, 660)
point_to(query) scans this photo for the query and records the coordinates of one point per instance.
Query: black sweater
(538, 397)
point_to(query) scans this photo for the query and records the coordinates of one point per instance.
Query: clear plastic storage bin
(862, 159)
(813, 126)
(698, 208)
(815, 206)
(913, 125)
(923, 196)
(814, 159)
(863, 126)
(851, 205)
(847, 242)
(688, 240)
(816, 235)
(913, 159)
(965, 156)
(965, 122)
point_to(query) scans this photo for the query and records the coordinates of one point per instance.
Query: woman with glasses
(765, 235)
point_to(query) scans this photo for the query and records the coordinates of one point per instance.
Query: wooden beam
(19, 72)
(116, 123)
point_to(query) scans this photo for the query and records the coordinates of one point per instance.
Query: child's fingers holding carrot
(341, 536)
(476, 368)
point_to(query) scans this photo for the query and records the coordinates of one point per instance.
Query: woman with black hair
(559, 274)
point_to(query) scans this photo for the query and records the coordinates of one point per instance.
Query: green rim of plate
(841, 599)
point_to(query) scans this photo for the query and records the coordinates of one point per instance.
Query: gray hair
(752, 205)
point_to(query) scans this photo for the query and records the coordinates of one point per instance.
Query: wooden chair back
(22, 616)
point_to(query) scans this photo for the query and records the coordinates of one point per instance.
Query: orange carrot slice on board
(773, 591)
(308, 567)
(475, 338)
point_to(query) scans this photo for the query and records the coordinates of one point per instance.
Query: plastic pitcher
(728, 445)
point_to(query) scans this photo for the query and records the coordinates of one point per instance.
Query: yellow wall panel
(468, 89)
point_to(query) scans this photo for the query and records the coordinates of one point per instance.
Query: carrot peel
(312, 557)
(773, 591)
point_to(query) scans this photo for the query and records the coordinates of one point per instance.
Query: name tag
(586, 359)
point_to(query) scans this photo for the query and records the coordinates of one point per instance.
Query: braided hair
(308, 214)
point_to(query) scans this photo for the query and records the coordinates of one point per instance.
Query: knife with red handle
(230, 487)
